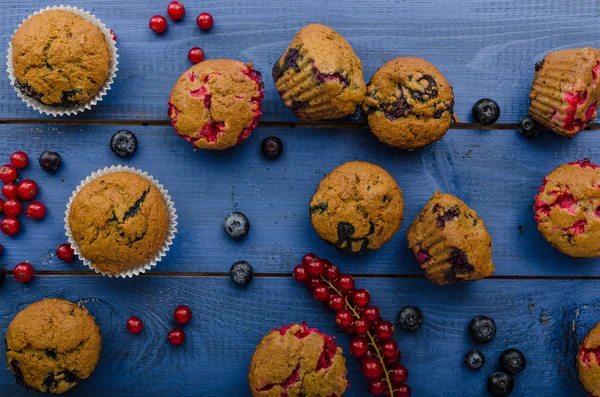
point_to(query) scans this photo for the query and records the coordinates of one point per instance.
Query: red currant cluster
(372, 343)
(24, 190)
(182, 316)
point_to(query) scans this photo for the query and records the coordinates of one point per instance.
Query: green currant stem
(356, 315)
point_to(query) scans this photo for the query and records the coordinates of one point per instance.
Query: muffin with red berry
(567, 209)
(217, 103)
(450, 242)
(588, 361)
(296, 361)
(319, 77)
(565, 92)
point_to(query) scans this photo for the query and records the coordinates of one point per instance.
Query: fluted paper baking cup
(74, 109)
(172, 229)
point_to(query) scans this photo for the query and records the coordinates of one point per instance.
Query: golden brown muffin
(358, 206)
(409, 103)
(297, 361)
(119, 221)
(217, 103)
(588, 361)
(60, 58)
(450, 241)
(565, 92)
(52, 346)
(319, 77)
(567, 209)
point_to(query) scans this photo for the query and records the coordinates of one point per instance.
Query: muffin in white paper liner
(171, 230)
(74, 109)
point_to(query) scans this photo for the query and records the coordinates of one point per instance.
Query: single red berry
(13, 207)
(315, 268)
(135, 325)
(114, 35)
(389, 348)
(370, 353)
(176, 337)
(359, 347)
(158, 24)
(300, 274)
(65, 253)
(1, 204)
(23, 272)
(321, 293)
(313, 282)
(361, 298)
(345, 283)
(344, 319)
(196, 55)
(205, 21)
(392, 360)
(372, 369)
(8, 173)
(183, 315)
(377, 387)
(361, 326)
(384, 330)
(10, 226)
(27, 189)
(402, 391)
(176, 10)
(398, 375)
(332, 272)
(10, 191)
(337, 303)
(308, 258)
(36, 210)
(19, 159)
(371, 313)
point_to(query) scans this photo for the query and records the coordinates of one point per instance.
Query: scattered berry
(158, 24)
(236, 225)
(361, 298)
(372, 369)
(10, 191)
(123, 143)
(23, 272)
(10, 226)
(176, 337)
(315, 268)
(271, 147)
(8, 173)
(135, 325)
(205, 21)
(196, 55)
(19, 159)
(241, 273)
(527, 127)
(12, 207)
(176, 10)
(500, 384)
(410, 318)
(182, 315)
(486, 111)
(27, 189)
(65, 253)
(114, 35)
(482, 329)
(50, 161)
(36, 210)
(512, 361)
(300, 274)
(474, 359)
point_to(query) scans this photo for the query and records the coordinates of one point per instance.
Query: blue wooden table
(543, 302)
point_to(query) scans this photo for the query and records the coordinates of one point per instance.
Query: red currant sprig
(372, 343)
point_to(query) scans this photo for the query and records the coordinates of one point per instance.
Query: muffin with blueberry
(565, 92)
(588, 361)
(409, 103)
(296, 361)
(450, 242)
(217, 103)
(319, 77)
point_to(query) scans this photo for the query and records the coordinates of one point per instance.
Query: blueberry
(410, 318)
(486, 111)
(123, 143)
(236, 225)
(482, 329)
(241, 273)
(500, 384)
(50, 161)
(271, 147)
(474, 359)
(527, 127)
(512, 361)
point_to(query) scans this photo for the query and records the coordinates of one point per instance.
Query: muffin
(119, 221)
(358, 206)
(319, 77)
(565, 93)
(297, 361)
(52, 346)
(450, 241)
(217, 103)
(588, 361)
(59, 58)
(567, 209)
(409, 103)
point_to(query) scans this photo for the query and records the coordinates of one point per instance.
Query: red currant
(196, 55)
(359, 347)
(205, 21)
(377, 387)
(176, 337)
(315, 268)
(308, 258)
(344, 319)
(389, 349)
(65, 253)
(392, 360)
(23, 272)
(176, 10)
(384, 330)
(337, 303)
(183, 315)
(19, 159)
(12, 207)
(361, 326)
(1, 254)
(313, 282)
(321, 293)
(8, 173)
(332, 272)
(345, 283)
(10, 191)
(158, 24)
(372, 369)
(371, 313)
(361, 298)
(398, 375)
(114, 35)
(1, 204)
(135, 325)
(28, 189)
(36, 210)
(10, 226)
(402, 391)
(300, 274)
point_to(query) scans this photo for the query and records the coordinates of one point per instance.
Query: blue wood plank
(484, 49)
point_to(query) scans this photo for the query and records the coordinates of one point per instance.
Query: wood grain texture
(546, 320)
(484, 49)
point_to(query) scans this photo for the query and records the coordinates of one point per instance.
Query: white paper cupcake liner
(172, 229)
(61, 111)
